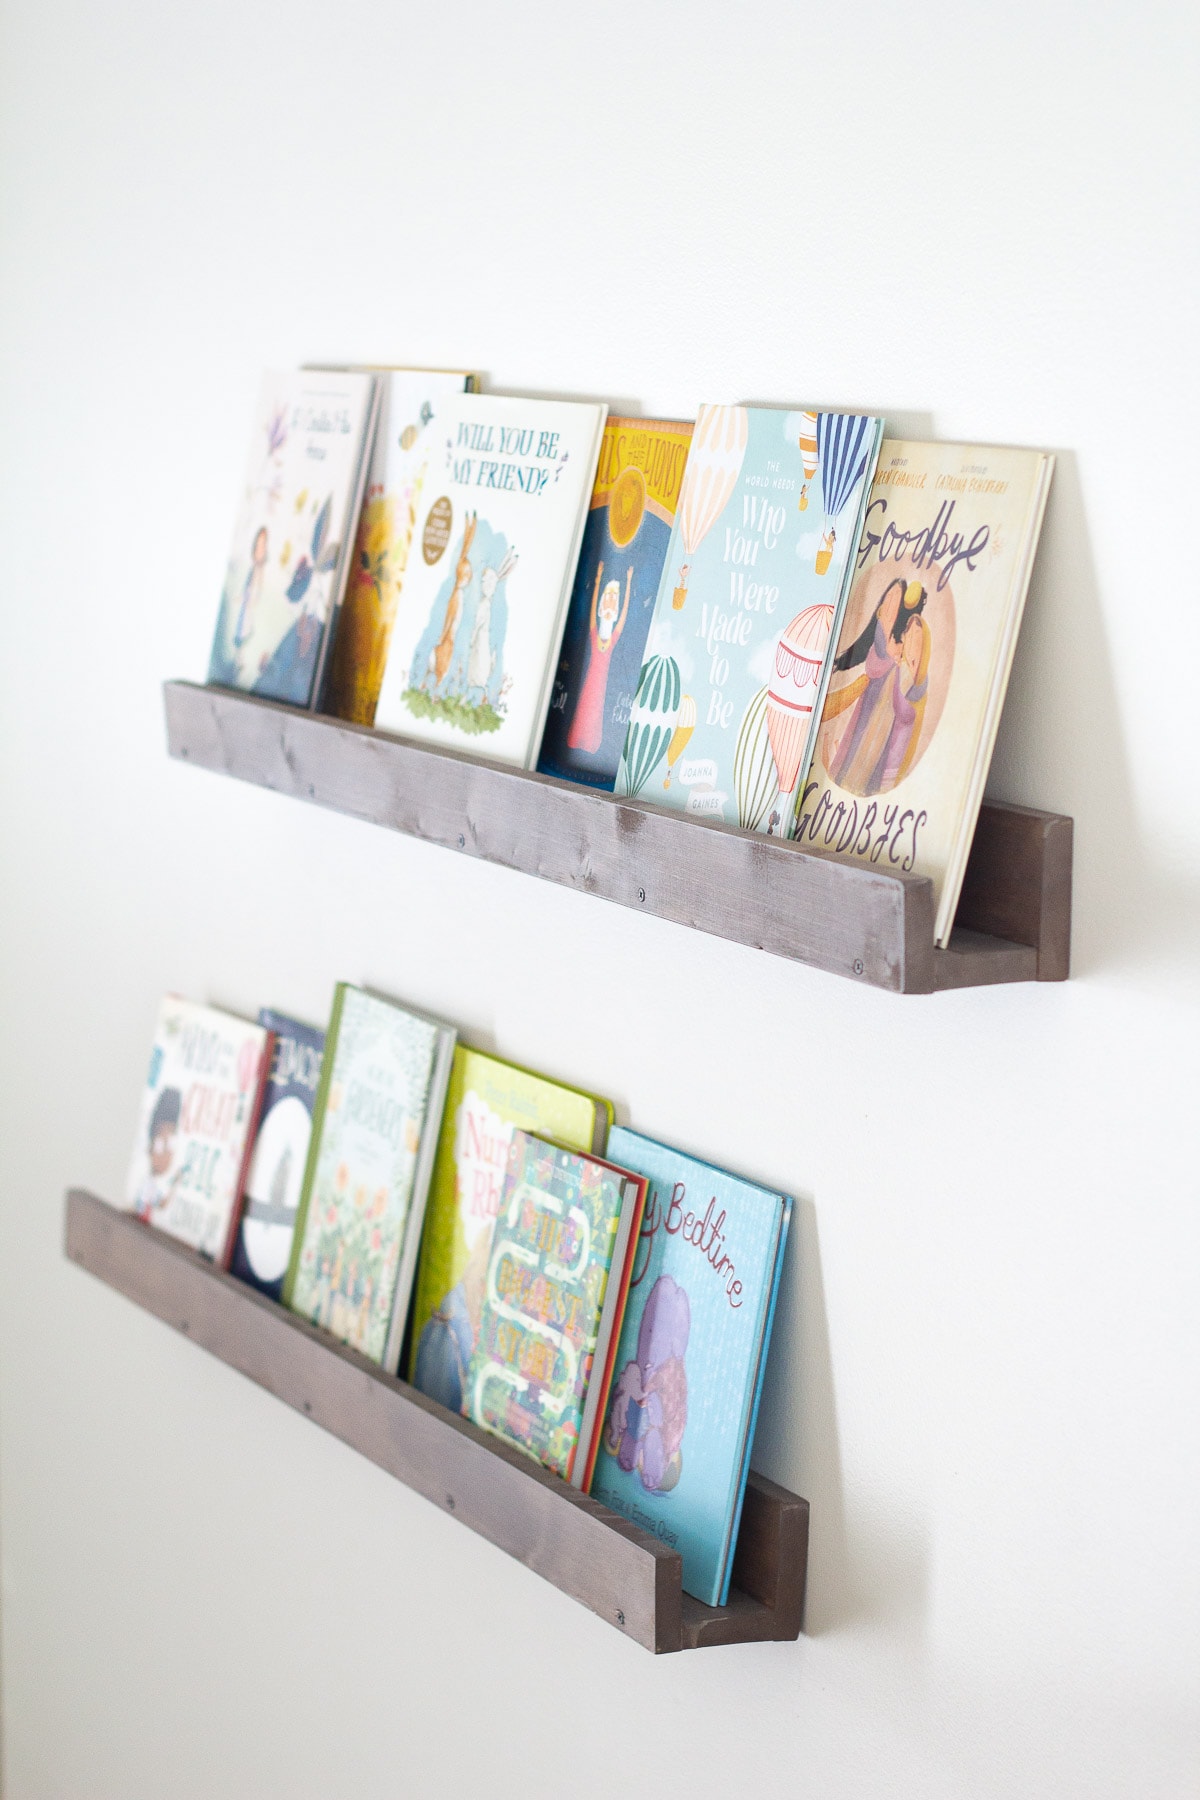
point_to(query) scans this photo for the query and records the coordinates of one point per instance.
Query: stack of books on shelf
(774, 619)
(601, 1301)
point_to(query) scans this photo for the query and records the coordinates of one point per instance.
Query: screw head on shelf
(858, 965)
(462, 842)
(642, 895)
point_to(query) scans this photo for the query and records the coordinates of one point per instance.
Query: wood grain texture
(619, 1572)
(874, 925)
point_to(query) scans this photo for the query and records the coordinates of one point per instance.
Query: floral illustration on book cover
(621, 561)
(546, 1281)
(486, 1102)
(687, 1369)
(370, 1132)
(721, 724)
(201, 1096)
(287, 542)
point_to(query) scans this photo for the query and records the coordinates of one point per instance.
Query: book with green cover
(557, 1282)
(375, 1127)
(486, 1102)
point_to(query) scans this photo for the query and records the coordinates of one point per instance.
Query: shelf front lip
(610, 1566)
(873, 925)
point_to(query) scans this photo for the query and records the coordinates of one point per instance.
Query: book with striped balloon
(751, 596)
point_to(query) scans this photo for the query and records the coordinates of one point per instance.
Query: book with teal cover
(561, 1259)
(680, 1412)
(753, 590)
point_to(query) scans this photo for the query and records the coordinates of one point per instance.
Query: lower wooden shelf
(621, 1573)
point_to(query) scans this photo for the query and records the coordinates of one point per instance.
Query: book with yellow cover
(487, 1101)
(922, 660)
(625, 543)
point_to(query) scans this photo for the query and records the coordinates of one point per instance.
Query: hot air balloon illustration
(713, 466)
(685, 725)
(753, 765)
(651, 723)
(792, 690)
(807, 437)
(843, 444)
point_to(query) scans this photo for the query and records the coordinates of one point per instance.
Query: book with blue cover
(759, 565)
(263, 1245)
(681, 1408)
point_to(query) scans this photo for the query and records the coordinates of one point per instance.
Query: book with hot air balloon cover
(621, 561)
(679, 1414)
(474, 645)
(753, 589)
(557, 1280)
(263, 1242)
(295, 526)
(922, 660)
(199, 1110)
(405, 437)
(487, 1100)
(375, 1129)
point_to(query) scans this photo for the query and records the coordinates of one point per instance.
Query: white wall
(984, 1375)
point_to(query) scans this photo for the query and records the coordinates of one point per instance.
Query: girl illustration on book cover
(648, 1412)
(609, 613)
(893, 678)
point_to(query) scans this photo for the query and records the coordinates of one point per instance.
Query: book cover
(295, 523)
(625, 542)
(405, 437)
(556, 1282)
(375, 1126)
(922, 661)
(487, 1101)
(198, 1114)
(262, 1245)
(475, 642)
(753, 589)
(679, 1415)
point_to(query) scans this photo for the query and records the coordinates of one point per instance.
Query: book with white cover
(475, 641)
(923, 658)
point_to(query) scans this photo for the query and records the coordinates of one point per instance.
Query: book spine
(422, 1175)
(314, 1142)
(320, 686)
(239, 1192)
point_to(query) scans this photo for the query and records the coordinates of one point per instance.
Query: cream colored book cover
(922, 660)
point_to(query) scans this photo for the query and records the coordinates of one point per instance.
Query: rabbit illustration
(482, 658)
(444, 648)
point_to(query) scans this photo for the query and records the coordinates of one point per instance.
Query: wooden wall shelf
(872, 924)
(619, 1572)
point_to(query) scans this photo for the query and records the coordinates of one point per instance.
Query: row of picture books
(777, 619)
(600, 1300)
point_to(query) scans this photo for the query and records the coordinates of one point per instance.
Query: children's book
(405, 439)
(475, 642)
(263, 1241)
(375, 1128)
(923, 658)
(753, 590)
(559, 1271)
(295, 527)
(486, 1102)
(680, 1410)
(199, 1111)
(625, 543)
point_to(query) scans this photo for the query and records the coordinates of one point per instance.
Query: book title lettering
(761, 528)
(934, 546)
(704, 1233)
(505, 457)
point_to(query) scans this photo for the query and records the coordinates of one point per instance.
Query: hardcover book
(199, 1110)
(680, 1410)
(625, 543)
(405, 438)
(923, 659)
(475, 643)
(263, 1241)
(753, 589)
(562, 1255)
(295, 525)
(486, 1102)
(375, 1127)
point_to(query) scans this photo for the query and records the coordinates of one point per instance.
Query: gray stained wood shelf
(873, 924)
(620, 1572)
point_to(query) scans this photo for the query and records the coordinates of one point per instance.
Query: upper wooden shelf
(625, 1576)
(872, 924)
